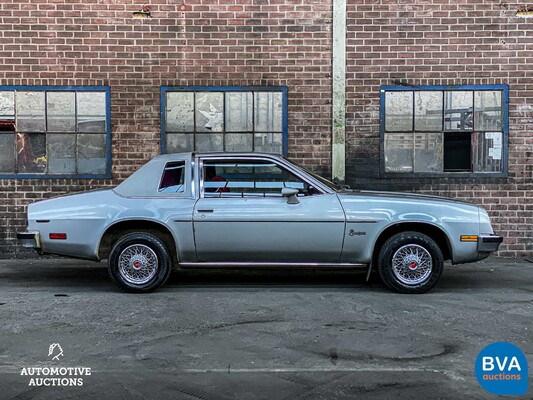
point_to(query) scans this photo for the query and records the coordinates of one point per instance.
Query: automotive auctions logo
(501, 368)
(55, 376)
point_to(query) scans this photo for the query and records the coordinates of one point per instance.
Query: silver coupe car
(199, 210)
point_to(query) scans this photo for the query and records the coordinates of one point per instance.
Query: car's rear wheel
(139, 262)
(410, 262)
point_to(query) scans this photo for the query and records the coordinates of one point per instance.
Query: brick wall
(442, 42)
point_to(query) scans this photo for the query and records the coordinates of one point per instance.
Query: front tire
(139, 263)
(410, 262)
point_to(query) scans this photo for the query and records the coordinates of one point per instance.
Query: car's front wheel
(139, 262)
(410, 262)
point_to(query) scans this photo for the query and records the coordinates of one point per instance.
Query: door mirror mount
(291, 194)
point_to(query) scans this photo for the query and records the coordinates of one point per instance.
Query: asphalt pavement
(213, 335)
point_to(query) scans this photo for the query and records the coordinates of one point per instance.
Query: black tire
(146, 263)
(421, 262)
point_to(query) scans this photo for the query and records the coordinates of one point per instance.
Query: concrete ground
(258, 335)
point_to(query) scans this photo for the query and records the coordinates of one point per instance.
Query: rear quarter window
(173, 178)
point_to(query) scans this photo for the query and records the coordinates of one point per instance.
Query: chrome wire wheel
(138, 264)
(412, 264)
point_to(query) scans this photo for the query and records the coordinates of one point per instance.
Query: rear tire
(139, 263)
(410, 262)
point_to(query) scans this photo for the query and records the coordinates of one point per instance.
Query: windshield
(322, 180)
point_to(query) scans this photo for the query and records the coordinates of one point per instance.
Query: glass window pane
(61, 153)
(209, 142)
(488, 108)
(180, 142)
(268, 142)
(173, 179)
(180, 112)
(91, 154)
(7, 155)
(31, 152)
(239, 112)
(30, 112)
(61, 111)
(7, 105)
(239, 142)
(458, 111)
(488, 147)
(91, 110)
(428, 111)
(428, 152)
(399, 152)
(399, 111)
(209, 112)
(268, 111)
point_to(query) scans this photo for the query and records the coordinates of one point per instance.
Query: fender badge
(354, 233)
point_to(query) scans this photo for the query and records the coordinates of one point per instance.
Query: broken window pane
(457, 151)
(61, 111)
(399, 152)
(209, 112)
(180, 112)
(61, 153)
(239, 112)
(91, 108)
(428, 152)
(488, 108)
(179, 142)
(31, 152)
(209, 142)
(268, 142)
(488, 148)
(459, 106)
(268, 111)
(398, 111)
(91, 154)
(239, 142)
(7, 155)
(30, 112)
(428, 111)
(7, 105)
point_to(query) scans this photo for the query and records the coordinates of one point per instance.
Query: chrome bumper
(488, 243)
(30, 240)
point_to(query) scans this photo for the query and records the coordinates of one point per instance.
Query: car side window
(250, 178)
(173, 179)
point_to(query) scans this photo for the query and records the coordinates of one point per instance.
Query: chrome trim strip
(340, 221)
(364, 221)
(267, 265)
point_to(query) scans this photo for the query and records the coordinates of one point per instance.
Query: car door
(241, 215)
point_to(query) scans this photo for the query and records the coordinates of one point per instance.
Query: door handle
(206, 211)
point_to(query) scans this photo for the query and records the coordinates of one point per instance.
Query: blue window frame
(459, 131)
(55, 132)
(224, 118)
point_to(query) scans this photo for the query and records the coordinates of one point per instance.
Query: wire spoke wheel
(138, 264)
(412, 264)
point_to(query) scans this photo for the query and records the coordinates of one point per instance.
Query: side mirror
(291, 194)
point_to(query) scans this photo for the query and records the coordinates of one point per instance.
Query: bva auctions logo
(501, 368)
(59, 351)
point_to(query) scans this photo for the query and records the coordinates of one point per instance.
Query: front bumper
(488, 243)
(30, 240)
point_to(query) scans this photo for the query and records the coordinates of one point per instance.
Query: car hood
(399, 196)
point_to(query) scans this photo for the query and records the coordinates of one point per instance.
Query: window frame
(285, 111)
(448, 174)
(48, 88)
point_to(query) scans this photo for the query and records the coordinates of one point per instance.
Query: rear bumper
(488, 243)
(30, 240)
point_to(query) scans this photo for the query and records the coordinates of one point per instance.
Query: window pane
(268, 143)
(428, 152)
(91, 154)
(209, 112)
(457, 151)
(239, 112)
(428, 111)
(398, 111)
(179, 142)
(7, 105)
(488, 147)
(399, 152)
(173, 179)
(61, 111)
(180, 112)
(268, 111)
(7, 155)
(239, 142)
(30, 112)
(209, 142)
(488, 106)
(458, 112)
(31, 152)
(61, 153)
(91, 111)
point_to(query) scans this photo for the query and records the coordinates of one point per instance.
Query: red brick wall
(442, 42)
